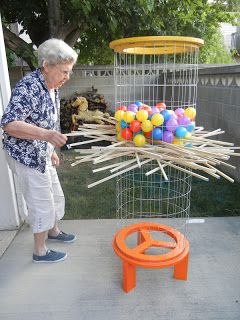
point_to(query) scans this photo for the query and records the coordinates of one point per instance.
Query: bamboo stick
(116, 174)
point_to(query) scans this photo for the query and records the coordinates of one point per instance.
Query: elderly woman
(31, 132)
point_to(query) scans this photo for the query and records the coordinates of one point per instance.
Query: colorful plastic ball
(188, 135)
(161, 106)
(119, 136)
(180, 132)
(154, 110)
(127, 134)
(148, 134)
(183, 121)
(139, 140)
(142, 115)
(173, 115)
(157, 134)
(190, 112)
(145, 107)
(123, 108)
(171, 124)
(138, 103)
(166, 114)
(179, 112)
(135, 125)
(157, 119)
(128, 116)
(124, 124)
(119, 115)
(138, 132)
(118, 126)
(132, 107)
(177, 141)
(167, 136)
(147, 126)
(191, 126)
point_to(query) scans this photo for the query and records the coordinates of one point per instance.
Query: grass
(208, 199)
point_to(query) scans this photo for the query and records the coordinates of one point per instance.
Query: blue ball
(124, 124)
(138, 132)
(191, 126)
(138, 103)
(166, 114)
(180, 132)
(157, 133)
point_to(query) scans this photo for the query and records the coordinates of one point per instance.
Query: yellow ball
(188, 135)
(118, 126)
(139, 140)
(142, 115)
(119, 136)
(128, 116)
(157, 119)
(190, 112)
(147, 126)
(119, 115)
(177, 141)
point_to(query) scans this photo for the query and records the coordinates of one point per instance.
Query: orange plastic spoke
(164, 244)
(145, 234)
(141, 247)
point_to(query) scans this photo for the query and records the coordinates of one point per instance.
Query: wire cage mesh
(153, 70)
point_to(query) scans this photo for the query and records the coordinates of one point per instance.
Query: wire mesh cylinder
(153, 70)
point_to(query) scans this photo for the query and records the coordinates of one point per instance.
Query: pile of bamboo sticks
(200, 153)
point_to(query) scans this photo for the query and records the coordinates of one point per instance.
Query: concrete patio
(88, 284)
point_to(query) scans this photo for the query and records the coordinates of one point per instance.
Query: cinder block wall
(218, 105)
(82, 79)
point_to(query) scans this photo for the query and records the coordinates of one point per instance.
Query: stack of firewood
(69, 108)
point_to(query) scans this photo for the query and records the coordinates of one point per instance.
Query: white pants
(42, 193)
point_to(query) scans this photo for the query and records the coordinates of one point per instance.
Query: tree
(89, 25)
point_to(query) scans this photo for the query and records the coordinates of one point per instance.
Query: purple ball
(132, 107)
(167, 136)
(171, 124)
(184, 121)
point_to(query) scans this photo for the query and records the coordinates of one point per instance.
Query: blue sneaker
(50, 256)
(63, 237)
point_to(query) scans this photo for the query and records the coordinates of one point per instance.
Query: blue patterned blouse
(30, 102)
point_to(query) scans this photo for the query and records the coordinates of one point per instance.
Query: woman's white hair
(55, 51)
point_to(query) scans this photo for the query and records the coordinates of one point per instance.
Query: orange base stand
(135, 257)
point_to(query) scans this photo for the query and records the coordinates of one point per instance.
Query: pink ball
(179, 112)
(154, 110)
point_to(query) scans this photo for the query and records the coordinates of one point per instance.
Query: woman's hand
(55, 159)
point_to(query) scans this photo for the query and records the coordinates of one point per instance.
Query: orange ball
(127, 134)
(135, 126)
